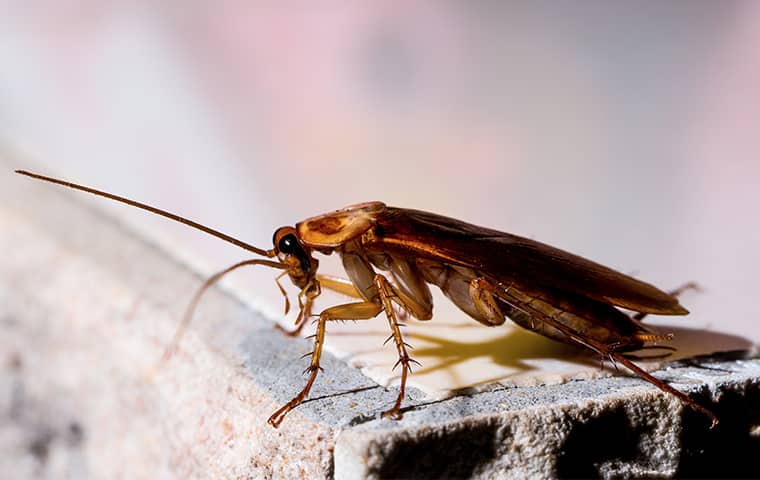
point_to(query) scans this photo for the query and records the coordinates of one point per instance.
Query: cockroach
(392, 255)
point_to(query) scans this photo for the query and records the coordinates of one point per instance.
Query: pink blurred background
(625, 132)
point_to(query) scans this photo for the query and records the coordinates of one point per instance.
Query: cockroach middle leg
(339, 285)
(348, 311)
(345, 287)
(387, 296)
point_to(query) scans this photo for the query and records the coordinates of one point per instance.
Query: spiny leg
(304, 312)
(340, 285)
(686, 286)
(313, 370)
(335, 284)
(605, 351)
(387, 295)
(346, 287)
(349, 311)
(306, 298)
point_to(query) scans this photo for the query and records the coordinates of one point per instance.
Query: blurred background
(627, 132)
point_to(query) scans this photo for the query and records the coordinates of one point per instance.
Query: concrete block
(86, 308)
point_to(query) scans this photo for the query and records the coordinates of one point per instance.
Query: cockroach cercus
(391, 255)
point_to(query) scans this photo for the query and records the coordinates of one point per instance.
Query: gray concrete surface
(86, 308)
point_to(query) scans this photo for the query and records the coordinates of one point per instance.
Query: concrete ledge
(86, 308)
(615, 427)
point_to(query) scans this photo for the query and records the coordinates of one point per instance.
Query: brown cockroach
(490, 275)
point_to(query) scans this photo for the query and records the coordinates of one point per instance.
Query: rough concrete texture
(615, 427)
(86, 308)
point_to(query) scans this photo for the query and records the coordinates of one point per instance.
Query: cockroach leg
(344, 286)
(304, 312)
(354, 311)
(485, 303)
(336, 284)
(613, 356)
(313, 370)
(339, 285)
(387, 296)
(348, 311)
(401, 313)
(685, 287)
(664, 386)
(310, 292)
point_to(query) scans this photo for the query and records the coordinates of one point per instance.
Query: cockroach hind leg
(665, 387)
(694, 286)
(602, 349)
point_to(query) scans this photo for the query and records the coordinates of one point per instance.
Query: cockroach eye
(288, 244)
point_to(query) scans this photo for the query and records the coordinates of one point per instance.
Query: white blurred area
(627, 132)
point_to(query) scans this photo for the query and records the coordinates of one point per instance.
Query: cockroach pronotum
(391, 255)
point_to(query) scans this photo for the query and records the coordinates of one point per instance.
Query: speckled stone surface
(86, 308)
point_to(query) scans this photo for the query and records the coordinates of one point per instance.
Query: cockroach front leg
(305, 301)
(349, 311)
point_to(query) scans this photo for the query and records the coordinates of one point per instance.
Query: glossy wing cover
(504, 256)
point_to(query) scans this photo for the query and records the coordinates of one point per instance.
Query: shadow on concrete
(512, 349)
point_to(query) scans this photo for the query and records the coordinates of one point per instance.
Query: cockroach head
(300, 265)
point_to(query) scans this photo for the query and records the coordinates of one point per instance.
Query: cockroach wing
(503, 256)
